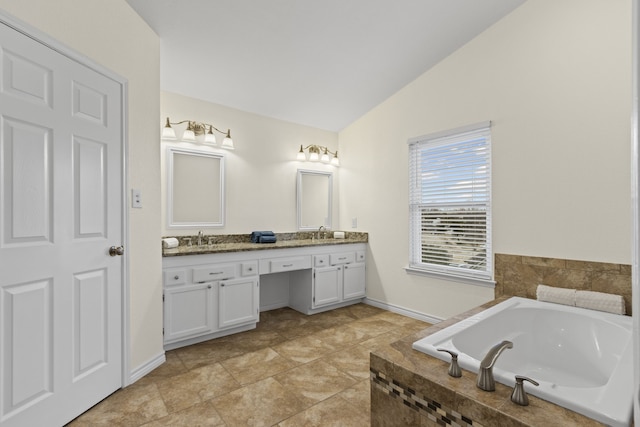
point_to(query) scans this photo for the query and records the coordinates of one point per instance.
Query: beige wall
(553, 76)
(111, 34)
(260, 173)
(555, 79)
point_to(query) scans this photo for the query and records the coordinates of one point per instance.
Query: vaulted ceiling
(318, 63)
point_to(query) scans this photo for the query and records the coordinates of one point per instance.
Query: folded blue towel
(267, 239)
(255, 235)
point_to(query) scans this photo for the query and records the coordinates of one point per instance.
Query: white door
(354, 281)
(238, 302)
(327, 282)
(188, 311)
(60, 211)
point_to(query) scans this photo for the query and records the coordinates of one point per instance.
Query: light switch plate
(136, 198)
(354, 222)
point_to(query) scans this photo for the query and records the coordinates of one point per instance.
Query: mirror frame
(171, 222)
(299, 198)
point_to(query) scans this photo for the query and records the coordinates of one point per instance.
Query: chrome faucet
(485, 372)
(200, 236)
(322, 227)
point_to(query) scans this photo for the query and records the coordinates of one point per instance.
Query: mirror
(314, 199)
(195, 188)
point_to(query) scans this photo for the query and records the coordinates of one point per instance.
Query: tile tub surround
(292, 370)
(222, 243)
(410, 388)
(518, 275)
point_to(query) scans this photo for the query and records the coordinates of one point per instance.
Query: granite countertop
(242, 243)
(495, 408)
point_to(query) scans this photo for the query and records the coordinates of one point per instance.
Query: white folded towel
(557, 295)
(600, 301)
(586, 299)
(170, 243)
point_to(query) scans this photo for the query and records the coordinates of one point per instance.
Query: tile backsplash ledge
(518, 275)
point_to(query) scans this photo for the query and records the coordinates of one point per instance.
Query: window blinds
(450, 202)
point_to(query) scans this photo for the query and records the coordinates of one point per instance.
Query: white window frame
(420, 198)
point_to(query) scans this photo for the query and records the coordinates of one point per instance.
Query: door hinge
(314, 299)
(162, 297)
(162, 331)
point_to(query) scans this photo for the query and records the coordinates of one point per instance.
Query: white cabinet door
(188, 311)
(238, 302)
(327, 285)
(354, 281)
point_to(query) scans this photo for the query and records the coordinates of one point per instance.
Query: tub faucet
(485, 372)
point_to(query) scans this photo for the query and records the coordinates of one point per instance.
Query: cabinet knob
(209, 286)
(176, 277)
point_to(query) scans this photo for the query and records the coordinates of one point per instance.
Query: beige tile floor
(292, 370)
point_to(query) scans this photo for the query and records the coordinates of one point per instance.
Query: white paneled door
(61, 133)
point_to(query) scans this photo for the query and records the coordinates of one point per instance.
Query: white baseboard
(404, 311)
(145, 368)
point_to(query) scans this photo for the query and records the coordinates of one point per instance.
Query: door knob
(116, 250)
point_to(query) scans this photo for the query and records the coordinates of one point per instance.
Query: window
(450, 202)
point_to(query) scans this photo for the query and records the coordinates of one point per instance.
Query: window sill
(487, 283)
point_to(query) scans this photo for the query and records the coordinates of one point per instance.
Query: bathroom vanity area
(213, 290)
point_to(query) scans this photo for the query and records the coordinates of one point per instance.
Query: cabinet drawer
(175, 277)
(289, 264)
(249, 268)
(214, 272)
(342, 258)
(321, 260)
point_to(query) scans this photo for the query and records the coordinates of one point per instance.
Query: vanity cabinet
(354, 285)
(327, 282)
(208, 296)
(238, 302)
(342, 280)
(337, 280)
(205, 301)
(187, 311)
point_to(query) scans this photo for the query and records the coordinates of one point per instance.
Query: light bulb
(189, 135)
(301, 156)
(209, 137)
(167, 131)
(228, 142)
(325, 157)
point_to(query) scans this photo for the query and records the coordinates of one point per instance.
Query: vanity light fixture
(318, 153)
(197, 128)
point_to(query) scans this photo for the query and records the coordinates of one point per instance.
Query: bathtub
(581, 358)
